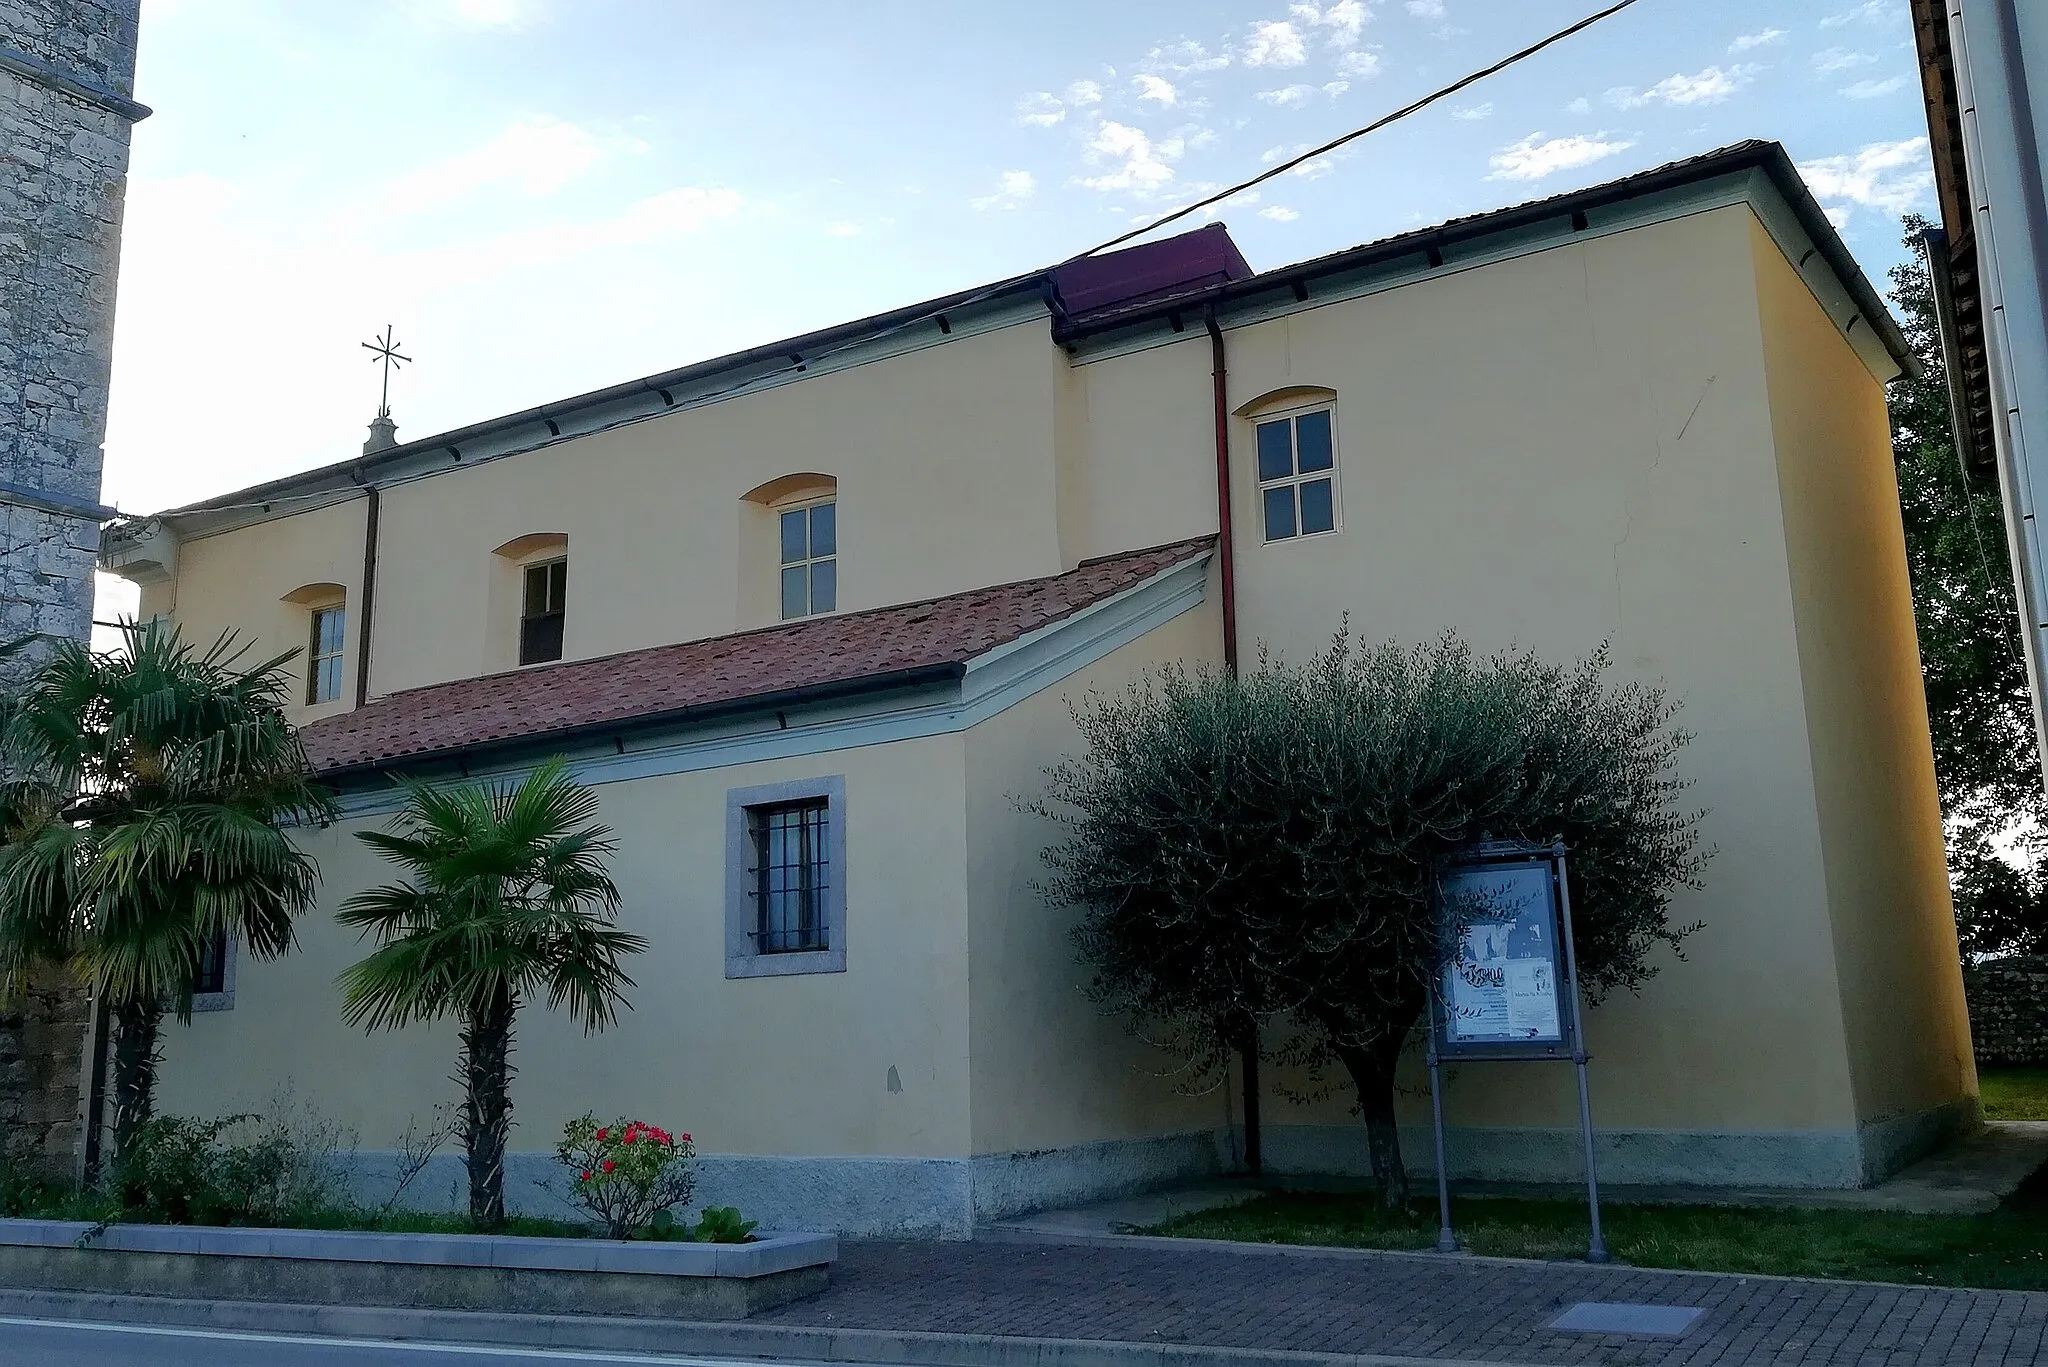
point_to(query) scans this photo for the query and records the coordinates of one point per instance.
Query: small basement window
(541, 613)
(810, 560)
(324, 655)
(1298, 474)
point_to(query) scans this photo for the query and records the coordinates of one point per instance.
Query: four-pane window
(810, 560)
(792, 873)
(540, 617)
(1297, 475)
(323, 656)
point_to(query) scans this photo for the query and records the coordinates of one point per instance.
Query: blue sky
(546, 196)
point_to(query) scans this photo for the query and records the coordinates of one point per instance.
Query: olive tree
(1268, 847)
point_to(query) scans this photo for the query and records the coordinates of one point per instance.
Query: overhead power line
(1334, 143)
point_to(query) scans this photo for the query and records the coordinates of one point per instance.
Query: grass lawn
(2007, 1249)
(2014, 1093)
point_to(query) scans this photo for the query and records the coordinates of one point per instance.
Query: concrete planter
(427, 1271)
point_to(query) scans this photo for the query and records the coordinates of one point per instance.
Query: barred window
(785, 878)
(792, 875)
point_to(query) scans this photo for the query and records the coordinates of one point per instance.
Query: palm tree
(508, 897)
(144, 796)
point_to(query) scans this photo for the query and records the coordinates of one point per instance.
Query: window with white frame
(810, 560)
(1298, 474)
(542, 611)
(785, 880)
(324, 654)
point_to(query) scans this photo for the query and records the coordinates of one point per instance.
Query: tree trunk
(135, 1060)
(487, 1108)
(1254, 1158)
(1372, 1073)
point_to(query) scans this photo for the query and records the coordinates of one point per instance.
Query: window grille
(212, 976)
(791, 873)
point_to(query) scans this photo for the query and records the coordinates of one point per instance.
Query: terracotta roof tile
(544, 700)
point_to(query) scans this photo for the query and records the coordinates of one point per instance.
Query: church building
(810, 617)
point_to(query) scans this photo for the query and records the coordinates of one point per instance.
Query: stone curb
(672, 1338)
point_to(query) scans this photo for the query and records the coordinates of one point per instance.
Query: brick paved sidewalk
(1139, 1291)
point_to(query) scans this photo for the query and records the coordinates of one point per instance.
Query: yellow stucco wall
(1894, 927)
(238, 583)
(1049, 1068)
(780, 1065)
(1651, 439)
(1571, 447)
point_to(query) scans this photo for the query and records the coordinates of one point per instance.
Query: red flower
(604, 1132)
(630, 1137)
(686, 1136)
(608, 1165)
(585, 1177)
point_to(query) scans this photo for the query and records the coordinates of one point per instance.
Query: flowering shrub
(626, 1173)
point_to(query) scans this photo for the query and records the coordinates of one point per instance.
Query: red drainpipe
(1219, 374)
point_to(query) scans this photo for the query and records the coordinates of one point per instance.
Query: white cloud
(1828, 61)
(1186, 57)
(1279, 213)
(1335, 88)
(1360, 62)
(1472, 113)
(1041, 109)
(1081, 94)
(1581, 105)
(1750, 42)
(1891, 177)
(1345, 19)
(1275, 43)
(536, 156)
(1143, 167)
(1710, 86)
(1156, 88)
(1012, 189)
(1287, 97)
(1869, 12)
(1533, 158)
(1426, 9)
(1871, 90)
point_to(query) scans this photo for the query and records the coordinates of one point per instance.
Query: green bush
(236, 1170)
(722, 1225)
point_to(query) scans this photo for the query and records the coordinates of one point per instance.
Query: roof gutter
(915, 676)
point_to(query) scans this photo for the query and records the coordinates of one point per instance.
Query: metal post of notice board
(1499, 994)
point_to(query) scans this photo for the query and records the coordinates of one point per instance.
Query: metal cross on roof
(387, 352)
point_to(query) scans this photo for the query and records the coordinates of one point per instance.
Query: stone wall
(2009, 1011)
(63, 170)
(66, 74)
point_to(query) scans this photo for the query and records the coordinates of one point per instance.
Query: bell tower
(67, 70)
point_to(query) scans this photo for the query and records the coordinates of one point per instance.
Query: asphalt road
(70, 1343)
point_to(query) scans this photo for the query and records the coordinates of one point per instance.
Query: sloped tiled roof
(669, 681)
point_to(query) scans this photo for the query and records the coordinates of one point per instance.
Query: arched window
(805, 565)
(539, 564)
(1295, 431)
(325, 632)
